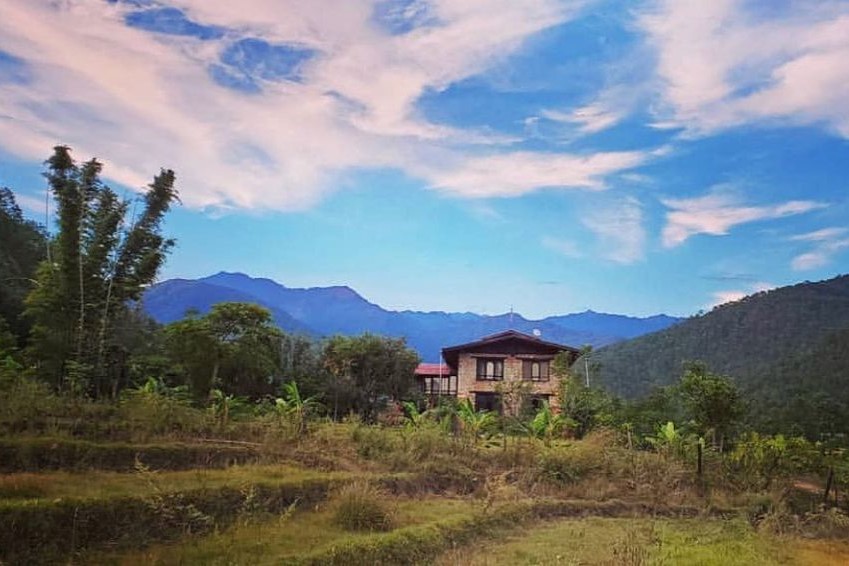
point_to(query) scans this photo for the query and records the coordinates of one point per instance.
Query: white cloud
(826, 244)
(563, 247)
(591, 118)
(618, 225)
(720, 65)
(730, 296)
(717, 212)
(517, 173)
(140, 100)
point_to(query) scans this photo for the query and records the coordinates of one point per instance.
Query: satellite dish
(537, 333)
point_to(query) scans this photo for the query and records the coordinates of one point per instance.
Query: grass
(104, 485)
(285, 538)
(628, 542)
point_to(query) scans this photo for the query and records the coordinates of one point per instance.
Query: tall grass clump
(360, 506)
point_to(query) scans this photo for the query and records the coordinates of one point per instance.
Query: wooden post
(699, 459)
(828, 483)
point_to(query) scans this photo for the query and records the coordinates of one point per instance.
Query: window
(535, 370)
(537, 402)
(488, 402)
(490, 369)
(446, 385)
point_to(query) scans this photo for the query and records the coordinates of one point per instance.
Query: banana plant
(546, 424)
(475, 423)
(295, 407)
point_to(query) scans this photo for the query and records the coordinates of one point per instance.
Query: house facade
(497, 372)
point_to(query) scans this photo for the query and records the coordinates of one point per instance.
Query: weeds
(360, 506)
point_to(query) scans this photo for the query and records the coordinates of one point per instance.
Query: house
(495, 371)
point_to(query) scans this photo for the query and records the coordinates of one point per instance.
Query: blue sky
(465, 155)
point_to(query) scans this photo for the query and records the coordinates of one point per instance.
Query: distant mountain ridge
(772, 342)
(324, 311)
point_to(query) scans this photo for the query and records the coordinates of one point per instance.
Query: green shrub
(361, 506)
(570, 464)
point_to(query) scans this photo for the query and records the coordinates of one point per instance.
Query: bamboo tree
(98, 268)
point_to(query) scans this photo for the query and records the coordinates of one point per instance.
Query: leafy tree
(583, 408)
(23, 245)
(98, 266)
(234, 348)
(367, 371)
(711, 402)
(7, 339)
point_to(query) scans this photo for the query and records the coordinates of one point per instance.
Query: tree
(367, 371)
(235, 348)
(99, 265)
(710, 401)
(584, 408)
(23, 245)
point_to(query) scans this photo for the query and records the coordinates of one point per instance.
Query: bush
(361, 506)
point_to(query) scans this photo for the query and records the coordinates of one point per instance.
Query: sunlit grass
(606, 541)
(274, 540)
(98, 484)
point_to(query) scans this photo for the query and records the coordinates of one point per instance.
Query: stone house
(497, 372)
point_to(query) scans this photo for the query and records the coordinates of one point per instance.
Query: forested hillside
(770, 342)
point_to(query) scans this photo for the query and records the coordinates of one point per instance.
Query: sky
(548, 156)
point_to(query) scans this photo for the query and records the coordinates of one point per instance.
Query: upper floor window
(490, 369)
(535, 370)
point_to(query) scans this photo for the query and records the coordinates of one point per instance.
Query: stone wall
(468, 384)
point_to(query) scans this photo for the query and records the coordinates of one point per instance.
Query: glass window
(490, 369)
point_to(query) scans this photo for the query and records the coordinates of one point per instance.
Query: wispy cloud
(590, 119)
(718, 211)
(618, 225)
(517, 173)
(826, 243)
(563, 247)
(266, 104)
(720, 65)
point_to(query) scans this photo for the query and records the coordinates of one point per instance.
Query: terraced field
(280, 505)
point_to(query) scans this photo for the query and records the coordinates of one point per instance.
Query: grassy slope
(646, 541)
(287, 537)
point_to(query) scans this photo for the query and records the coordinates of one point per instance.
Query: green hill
(775, 344)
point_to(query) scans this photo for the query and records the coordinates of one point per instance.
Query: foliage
(547, 425)
(365, 372)
(98, 266)
(711, 402)
(294, 407)
(584, 408)
(475, 423)
(234, 348)
(23, 245)
(758, 460)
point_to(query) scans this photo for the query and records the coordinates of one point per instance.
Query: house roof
(433, 369)
(451, 354)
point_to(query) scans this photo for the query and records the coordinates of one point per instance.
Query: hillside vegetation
(786, 349)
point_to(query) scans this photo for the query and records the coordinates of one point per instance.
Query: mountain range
(325, 311)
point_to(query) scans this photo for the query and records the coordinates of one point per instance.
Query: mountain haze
(324, 311)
